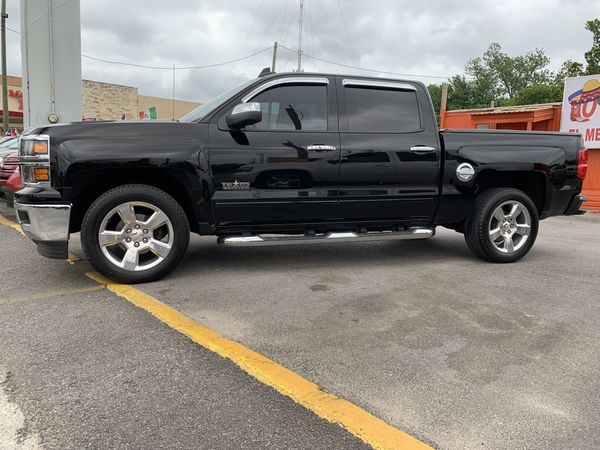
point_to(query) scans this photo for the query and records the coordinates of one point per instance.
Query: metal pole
(173, 107)
(5, 112)
(443, 103)
(51, 56)
(274, 57)
(300, 20)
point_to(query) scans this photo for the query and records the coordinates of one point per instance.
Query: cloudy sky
(429, 37)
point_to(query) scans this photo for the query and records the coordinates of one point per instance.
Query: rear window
(382, 110)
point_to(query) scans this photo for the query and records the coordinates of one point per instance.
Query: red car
(13, 184)
(10, 177)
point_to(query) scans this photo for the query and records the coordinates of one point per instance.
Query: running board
(326, 238)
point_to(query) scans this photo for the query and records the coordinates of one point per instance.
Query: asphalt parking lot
(451, 350)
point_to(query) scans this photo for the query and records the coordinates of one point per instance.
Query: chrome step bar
(326, 238)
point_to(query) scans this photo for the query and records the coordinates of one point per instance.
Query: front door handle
(422, 149)
(320, 148)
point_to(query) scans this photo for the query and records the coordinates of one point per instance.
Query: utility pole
(443, 103)
(300, 21)
(5, 123)
(274, 57)
(173, 104)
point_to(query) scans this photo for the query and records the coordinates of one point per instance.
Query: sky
(429, 38)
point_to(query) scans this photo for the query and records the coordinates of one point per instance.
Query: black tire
(134, 193)
(477, 227)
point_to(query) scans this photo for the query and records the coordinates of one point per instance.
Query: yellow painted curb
(362, 424)
(9, 223)
(355, 420)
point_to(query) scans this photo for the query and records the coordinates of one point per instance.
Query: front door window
(293, 107)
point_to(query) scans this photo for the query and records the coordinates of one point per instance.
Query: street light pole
(5, 123)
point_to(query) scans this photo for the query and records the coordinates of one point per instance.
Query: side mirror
(244, 114)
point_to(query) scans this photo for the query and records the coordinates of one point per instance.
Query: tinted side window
(293, 107)
(382, 110)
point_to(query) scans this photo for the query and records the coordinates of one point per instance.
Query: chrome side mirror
(244, 114)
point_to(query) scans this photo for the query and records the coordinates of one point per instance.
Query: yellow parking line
(9, 223)
(51, 294)
(357, 421)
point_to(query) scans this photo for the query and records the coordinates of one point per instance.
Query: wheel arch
(533, 182)
(92, 183)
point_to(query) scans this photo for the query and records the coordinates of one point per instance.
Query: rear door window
(382, 110)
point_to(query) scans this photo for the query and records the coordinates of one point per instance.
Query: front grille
(8, 167)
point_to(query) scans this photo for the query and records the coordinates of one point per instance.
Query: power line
(362, 68)
(282, 21)
(311, 45)
(143, 66)
(245, 39)
(289, 26)
(331, 32)
(121, 63)
(350, 41)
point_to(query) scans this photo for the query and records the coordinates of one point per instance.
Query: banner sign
(580, 109)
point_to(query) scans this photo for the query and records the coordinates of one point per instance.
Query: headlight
(34, 158)
(34, 148)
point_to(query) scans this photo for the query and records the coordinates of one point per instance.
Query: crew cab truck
(289, 159)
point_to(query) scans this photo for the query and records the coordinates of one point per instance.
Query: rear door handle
(320, 148)
(422, 149)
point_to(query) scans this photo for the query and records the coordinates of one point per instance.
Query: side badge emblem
(465, 172)
(236, 185)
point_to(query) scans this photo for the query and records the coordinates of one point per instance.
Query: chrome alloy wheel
(509, 226)
(136, 236)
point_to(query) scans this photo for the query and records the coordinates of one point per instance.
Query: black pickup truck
(288, 159)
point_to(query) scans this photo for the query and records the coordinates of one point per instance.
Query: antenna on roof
(266, 71)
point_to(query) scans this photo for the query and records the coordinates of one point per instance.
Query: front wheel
(503, 226)
(135, 233)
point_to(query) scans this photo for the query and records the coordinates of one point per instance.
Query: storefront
(104, 101)
(15, 104)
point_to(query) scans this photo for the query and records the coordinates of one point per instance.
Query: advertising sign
(580, 109)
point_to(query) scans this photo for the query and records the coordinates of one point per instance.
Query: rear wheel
(135, 233)
(504, 225)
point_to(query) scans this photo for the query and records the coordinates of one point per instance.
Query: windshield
(204, 110)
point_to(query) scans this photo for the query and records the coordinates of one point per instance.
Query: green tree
(592, 57)
(568, 69)
(462, 94)
(500, 75)
(538, 93)
(435, 92)
(515, 80)
(476, 93)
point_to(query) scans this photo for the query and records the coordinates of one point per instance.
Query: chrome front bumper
(47, 226)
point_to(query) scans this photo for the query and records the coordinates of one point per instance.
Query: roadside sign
(580, 108)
